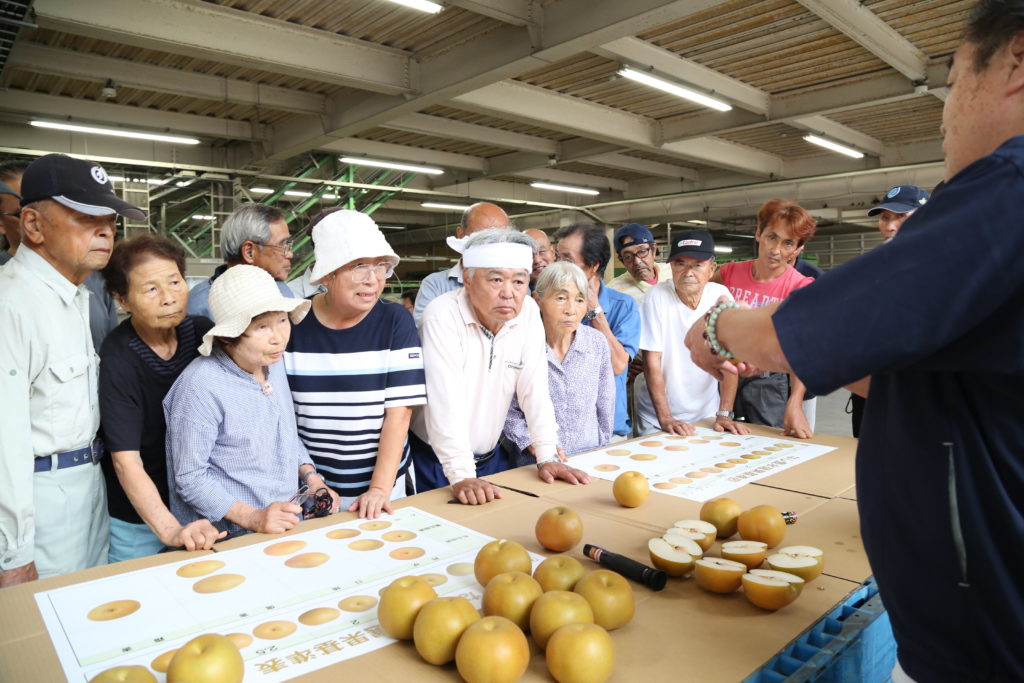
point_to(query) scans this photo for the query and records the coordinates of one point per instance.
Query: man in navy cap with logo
(635, 246)
(899, 203)
(53, 508)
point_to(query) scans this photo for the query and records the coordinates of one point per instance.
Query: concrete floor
(832, 416)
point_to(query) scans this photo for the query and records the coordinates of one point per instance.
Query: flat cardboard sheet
(272, 583)
(835, 528)
(707, 465)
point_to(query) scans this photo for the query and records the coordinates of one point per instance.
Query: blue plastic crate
(851, 644)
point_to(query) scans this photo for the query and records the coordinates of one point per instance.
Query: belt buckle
(96, 451)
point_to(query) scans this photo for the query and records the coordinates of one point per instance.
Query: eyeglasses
(286, 246)
(628, 257)
(361, 271)
(16, 214)
(314, 503)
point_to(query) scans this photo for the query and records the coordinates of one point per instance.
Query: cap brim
(295, 308)
(102, 205)
(895, 207)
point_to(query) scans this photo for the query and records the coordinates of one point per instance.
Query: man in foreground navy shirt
(940, 466)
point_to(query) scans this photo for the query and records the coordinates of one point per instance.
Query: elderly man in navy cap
(635, 246)
(53, 503)
(899, 203)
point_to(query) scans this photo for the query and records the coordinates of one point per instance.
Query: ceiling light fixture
(421, 5)
(359, 161)
(697, 221)
(200, 217)
(116, 132)
(298, 193)
(565, 188)
(723, 250)
(439, 205)
(260, 190)
(392, 227)
(674, 89)
(834, 146)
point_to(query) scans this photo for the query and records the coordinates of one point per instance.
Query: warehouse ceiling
(497, 94)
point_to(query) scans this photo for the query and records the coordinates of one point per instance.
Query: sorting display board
(292, 605)
(699, 467)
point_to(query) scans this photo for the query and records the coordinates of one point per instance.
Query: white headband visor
(501, 255)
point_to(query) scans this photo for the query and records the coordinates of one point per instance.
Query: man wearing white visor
(482, 345)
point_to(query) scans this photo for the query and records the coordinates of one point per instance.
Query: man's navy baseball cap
(77, 184)
(696, 244)
(902, 199)
(638, 234)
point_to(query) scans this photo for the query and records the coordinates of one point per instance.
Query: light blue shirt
(624, 319)
(228, 441)
(433, 286)
(199, 296)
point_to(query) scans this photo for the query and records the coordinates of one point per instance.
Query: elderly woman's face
(263, 341)
(357, 285)
(563, 307)
(157, 294)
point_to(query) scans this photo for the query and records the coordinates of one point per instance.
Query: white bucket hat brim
(242, 293)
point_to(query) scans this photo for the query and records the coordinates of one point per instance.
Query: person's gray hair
(498, 236)
(247, 223)
(558, 275)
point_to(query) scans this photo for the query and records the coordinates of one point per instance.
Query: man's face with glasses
(639, 260)
(10, 206)
(274, 256)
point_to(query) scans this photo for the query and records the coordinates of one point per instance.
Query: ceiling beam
(471, 132)
(873, 34)
(515, 12)
(133, 74)
(414, 155)
(654, 168)
(208, 31)
(641, 54)
(537, 106)
(136, 118)
(569, 27)
(877, 90)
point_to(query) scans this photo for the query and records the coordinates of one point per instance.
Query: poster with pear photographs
(290, 605)
(699, 467)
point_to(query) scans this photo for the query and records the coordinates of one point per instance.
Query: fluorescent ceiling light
(359, 161)
(834, 146)
(674, 89)
(201, 217)
(116, 132)
(260, 190)
(723, 250)
(421, 5)
(184, 183)
(392, 227)
(565, 188)
(329, 196)
(298, 193)
(438, 205)
(149, 181)
(697, 221)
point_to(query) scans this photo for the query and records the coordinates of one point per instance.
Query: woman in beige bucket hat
(232, 447)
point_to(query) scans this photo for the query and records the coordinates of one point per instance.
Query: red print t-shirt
(739, 278)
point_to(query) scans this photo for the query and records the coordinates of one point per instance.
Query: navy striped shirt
(343, 380)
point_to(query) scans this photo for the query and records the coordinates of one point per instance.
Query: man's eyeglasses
(361, 272)
(628, 257)
(16, 214)
(286, 246)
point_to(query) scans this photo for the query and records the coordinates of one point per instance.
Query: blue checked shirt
(228, 442)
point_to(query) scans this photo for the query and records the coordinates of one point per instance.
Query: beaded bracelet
(710, 323)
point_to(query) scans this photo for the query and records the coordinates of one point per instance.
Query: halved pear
(804, 561)
(674, 560)
(750, 553)
(684, 538)
(770, 589)
(704, 533)
(718, 575)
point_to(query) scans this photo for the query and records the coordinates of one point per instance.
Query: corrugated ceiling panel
(776, 138)
(901, 122)
(602, 171)
(494, 122)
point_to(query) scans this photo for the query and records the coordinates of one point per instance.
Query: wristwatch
(548, 461)
(726, 413)
(593, 313)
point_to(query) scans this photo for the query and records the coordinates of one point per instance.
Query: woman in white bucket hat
(232, 448)
(355, 367)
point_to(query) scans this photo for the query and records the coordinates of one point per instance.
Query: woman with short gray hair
(580, 376)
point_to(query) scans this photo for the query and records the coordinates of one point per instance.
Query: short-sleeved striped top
(341, 383)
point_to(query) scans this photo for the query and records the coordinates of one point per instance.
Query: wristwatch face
(591, 314)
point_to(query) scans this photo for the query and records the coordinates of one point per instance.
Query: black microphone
(654, 579)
